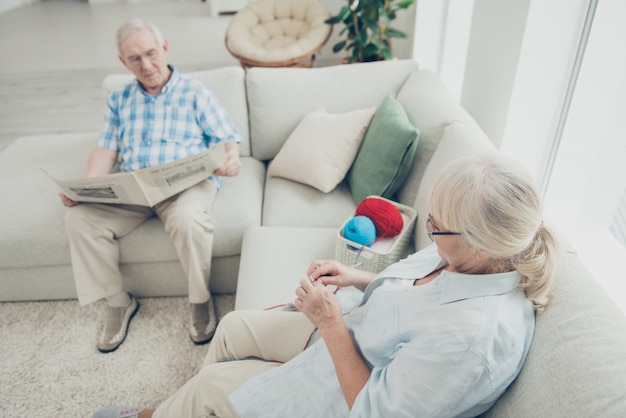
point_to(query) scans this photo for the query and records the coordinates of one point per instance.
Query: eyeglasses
(434, 229)
(136, 60)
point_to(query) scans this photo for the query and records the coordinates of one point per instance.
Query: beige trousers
(273, 335)
(93, 231)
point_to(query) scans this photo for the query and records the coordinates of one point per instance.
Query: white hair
(133, 26)
(493, 201)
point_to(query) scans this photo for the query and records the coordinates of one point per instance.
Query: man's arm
(232, 165)
(101, 161)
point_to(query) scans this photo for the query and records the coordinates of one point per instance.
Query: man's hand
(67, 201)
(100, 162)
(232, 165)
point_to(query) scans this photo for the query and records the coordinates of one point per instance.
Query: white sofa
(269, 228)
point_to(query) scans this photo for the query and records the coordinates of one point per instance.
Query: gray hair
(133, 26)
(493, 201)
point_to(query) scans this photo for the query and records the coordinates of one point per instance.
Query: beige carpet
(50, 367)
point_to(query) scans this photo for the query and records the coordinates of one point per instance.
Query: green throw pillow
(386, 154)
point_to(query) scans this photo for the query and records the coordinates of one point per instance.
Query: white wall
(442, 29)
(492, 60)
(547, 55)
(518, 60)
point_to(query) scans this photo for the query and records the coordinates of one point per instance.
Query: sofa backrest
(278, 98)
(447, 132)
(431, 108)
(459, 139)
(226, 83)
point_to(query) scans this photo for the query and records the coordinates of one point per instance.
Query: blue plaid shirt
(183, 120)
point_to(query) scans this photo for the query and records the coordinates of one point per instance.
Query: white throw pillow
(321, 149)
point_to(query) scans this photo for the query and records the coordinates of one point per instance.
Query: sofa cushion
(386, 155)
(431, 108)
(576, 364)
(321, 149)
(459, 139)
(287, 203)
(339, 88)
(226, 83)
(32, 227)
(274, 259)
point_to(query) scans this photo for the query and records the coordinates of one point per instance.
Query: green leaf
(342, 15)
(373, 26)
(366, 30)
(386, 54)
(362, 38)
(339, 46)
(405, 3)
(394, 33)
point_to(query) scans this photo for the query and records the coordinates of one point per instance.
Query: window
(586, 191)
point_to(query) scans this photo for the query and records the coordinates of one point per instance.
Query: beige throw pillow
(321, 149)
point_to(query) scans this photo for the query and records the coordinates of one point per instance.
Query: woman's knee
(231, 322)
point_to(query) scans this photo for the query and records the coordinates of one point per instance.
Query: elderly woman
(442, 333)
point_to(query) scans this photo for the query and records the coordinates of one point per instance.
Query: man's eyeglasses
(434, 229)
(135, 60)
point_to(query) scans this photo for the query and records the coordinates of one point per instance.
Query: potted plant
(368, 28)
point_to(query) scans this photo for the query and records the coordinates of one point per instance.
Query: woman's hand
(332, 272)
(318, 303)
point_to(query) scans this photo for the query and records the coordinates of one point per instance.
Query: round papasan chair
(278, 33)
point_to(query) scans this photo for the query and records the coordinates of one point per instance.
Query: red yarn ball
(385, 215)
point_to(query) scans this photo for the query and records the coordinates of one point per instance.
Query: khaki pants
(93, 231)
(269, 335)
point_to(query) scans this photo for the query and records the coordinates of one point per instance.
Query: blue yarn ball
(360, 229)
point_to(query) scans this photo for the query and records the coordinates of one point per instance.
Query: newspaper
(148, 186)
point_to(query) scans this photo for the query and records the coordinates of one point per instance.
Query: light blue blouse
(448, 348)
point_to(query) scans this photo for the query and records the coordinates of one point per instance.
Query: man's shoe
(117, 412)
(114, 330)
(203, 322)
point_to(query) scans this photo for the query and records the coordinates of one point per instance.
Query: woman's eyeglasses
(434, 229)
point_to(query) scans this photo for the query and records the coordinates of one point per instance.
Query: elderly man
(159, 117)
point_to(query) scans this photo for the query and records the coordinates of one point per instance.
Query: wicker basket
(384, 251)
